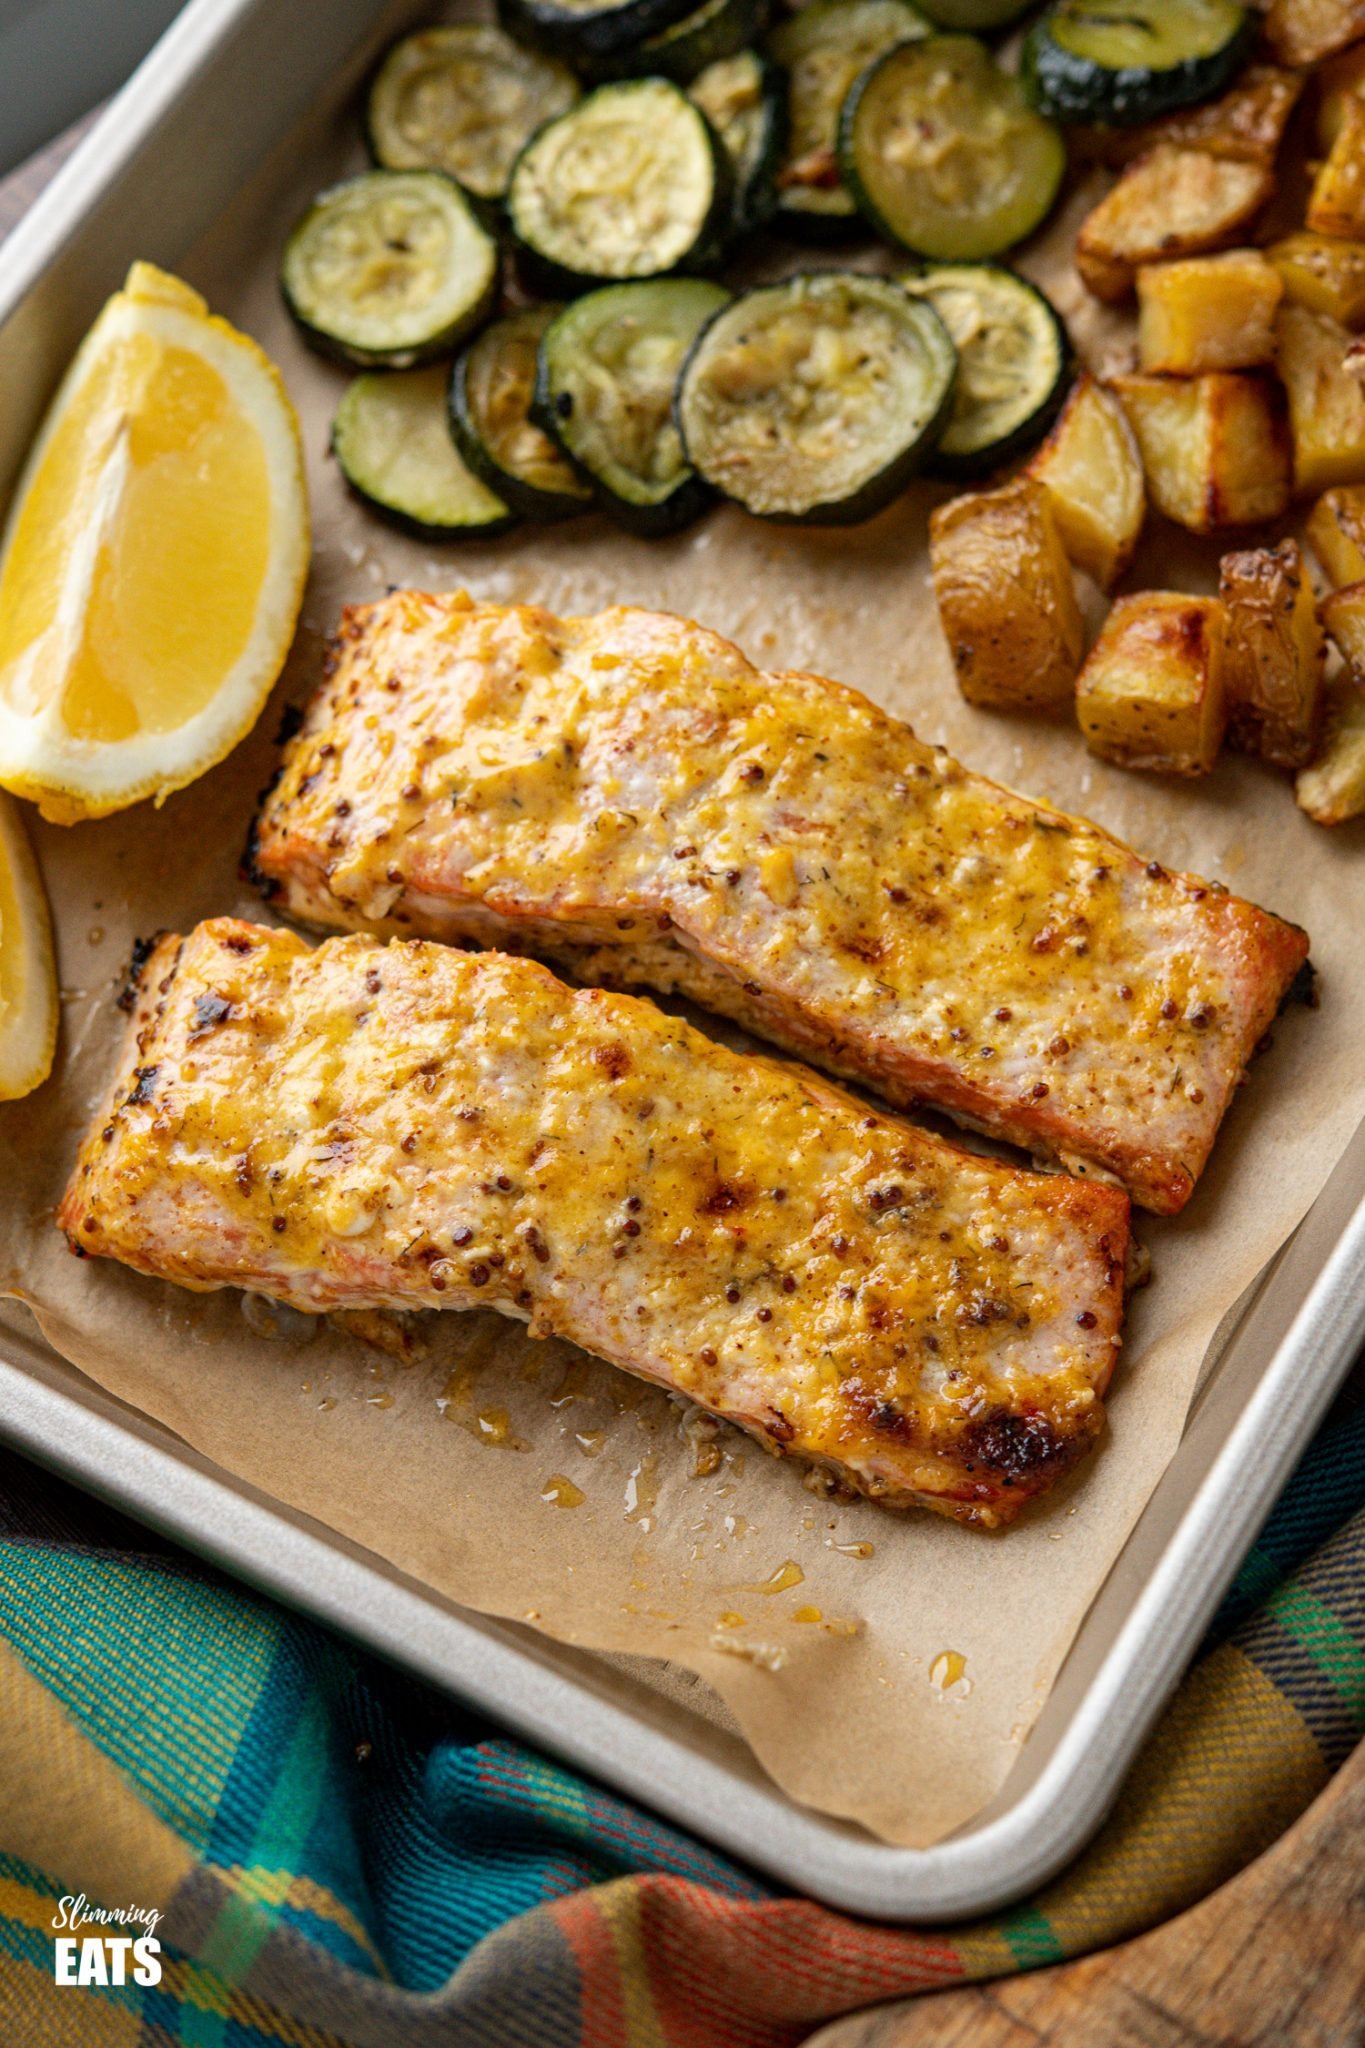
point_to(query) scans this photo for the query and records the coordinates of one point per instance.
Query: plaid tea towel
(329, 1853)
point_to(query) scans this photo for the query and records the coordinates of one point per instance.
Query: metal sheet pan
(198, 119)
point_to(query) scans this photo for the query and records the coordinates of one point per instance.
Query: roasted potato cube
(1326, 403)
(1333, 789)
(1303, 31)
(1151, 694)
(1171, 202)
(1275, 654)
(1337, 80)
(1215, 448)
(1247, 123)
(1006, 597)
(1336, 534)
(1323, 273)
(1337, 203)
(1093, 472)
(1343, 614)
(1208, 313)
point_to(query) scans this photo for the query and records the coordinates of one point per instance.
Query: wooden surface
(1274, 1960)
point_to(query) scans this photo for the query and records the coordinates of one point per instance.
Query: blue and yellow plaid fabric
(340, 1855)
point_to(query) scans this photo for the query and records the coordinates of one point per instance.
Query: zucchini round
(822, 49)
(743, 99)
(1089, 60)
(389, 268)
(463, 100)
(630, 183)
(1013, 363)
(815, 400)
(586, 30)
(716, 29)
(392, 440)
(491, 390)
(943, 153)
(608, 367)
(973, 15)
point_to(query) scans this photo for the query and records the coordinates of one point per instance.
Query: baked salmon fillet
(404, 1126)
(627, 796)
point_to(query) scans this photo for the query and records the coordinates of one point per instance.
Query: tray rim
(984, 1866)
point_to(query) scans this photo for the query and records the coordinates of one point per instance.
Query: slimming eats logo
(118, 1957)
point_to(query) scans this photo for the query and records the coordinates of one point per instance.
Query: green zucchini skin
(388, 428)
(906, 452)
(754, 138)
(1076, 88)
(582, 35)
(465, 309)
(717, 29)
(549, 271)
(480, 162)
(1044, 379)
(973, 17)
(673, 302)
(918, 217)
(531, 500)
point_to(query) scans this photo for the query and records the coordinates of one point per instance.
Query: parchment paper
(455, 1461)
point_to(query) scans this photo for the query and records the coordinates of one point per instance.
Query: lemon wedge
(28, 975)
(154, 560)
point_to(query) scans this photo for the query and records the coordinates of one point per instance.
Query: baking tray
(197, 120)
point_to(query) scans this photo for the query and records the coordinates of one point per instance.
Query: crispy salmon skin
(627, 796)
(364, 1125)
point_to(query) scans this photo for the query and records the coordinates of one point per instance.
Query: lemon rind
(28, 1017)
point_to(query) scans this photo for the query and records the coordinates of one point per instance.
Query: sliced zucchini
(1093, 60)
(491, 389)
(943, 153)
(629, 183)
(608, 367)
(822, 49)
(743, 99)
(716, 29)
(391, 437)
(389, 268)
(463, 100)
(1013, 363)
(973, 15)
(584, 30)
(816, 399)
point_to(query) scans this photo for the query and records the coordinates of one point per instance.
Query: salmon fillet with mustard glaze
(627, 796)
(408, 1126)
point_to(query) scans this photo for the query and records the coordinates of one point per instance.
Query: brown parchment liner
(442, 1462)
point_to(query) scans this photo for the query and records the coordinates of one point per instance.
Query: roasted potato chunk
(1247, 123)
(1092, 468)
(1208, 313)
(1215, 449)
(1336, 81)
(1151, 694)
(1323, 273)
(1343, 614)
(1006, 597)
(1337, 203)
(1326, 403)
(1171, 202)
(1303, 31)
(1336, 534)
(1274, 660)
(1333, 789)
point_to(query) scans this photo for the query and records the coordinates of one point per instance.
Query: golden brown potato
(1208, 313)
(1093, 472)
(1215, 449)
(1171, 202)
(1323, 273)
(1337, 203)
(1337, 79)
(1247, 123)
(1333, 789)
(1303, 31)
(1326, 403)
(1151, 694)
(1275, 654)
(1336, 534)
(1006, 597)
(1343, 614)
